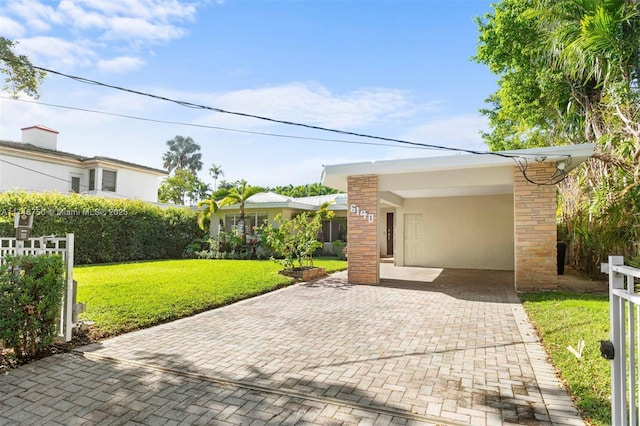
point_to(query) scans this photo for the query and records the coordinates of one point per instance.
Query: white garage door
(413, 239)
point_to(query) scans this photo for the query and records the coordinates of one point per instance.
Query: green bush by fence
(106, 230)
(31, 289)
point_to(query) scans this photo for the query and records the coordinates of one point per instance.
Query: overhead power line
(263, 118)
(205, 126)
(520, 161)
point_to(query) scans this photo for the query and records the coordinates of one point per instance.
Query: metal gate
(623, 348)
(50, 245)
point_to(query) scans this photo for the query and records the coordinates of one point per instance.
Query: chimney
(40, 136)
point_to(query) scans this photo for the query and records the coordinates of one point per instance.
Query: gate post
(617, 333)
(69, 299)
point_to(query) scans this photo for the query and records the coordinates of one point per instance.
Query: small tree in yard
(296, 238)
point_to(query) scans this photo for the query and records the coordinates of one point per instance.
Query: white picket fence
(625, 335)
(50, 245)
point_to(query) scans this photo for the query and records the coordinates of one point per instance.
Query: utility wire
(278, 135)
(517, 158)
(263, 118)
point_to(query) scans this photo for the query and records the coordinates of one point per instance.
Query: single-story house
(35, 164)
(494, 212)
(264, 206)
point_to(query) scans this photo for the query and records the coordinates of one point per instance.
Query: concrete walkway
(425, 347)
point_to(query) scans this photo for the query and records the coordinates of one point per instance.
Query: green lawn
(562, 319)
(129, 296)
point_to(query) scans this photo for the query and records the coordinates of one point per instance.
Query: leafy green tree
(183, 154)
(524, 111)
(238, 194)
(307, 190)
(183, 186)
(568, 72)
(20, 75)
(198, 191)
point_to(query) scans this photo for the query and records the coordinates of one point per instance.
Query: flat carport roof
(452, 175)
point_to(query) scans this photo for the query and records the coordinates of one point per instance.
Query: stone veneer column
(535, 229)
(362, 231)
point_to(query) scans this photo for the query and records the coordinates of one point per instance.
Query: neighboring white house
(35, 164)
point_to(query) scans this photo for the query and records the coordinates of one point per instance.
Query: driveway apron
(450, 348)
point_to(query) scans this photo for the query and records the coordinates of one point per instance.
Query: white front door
(414, 239)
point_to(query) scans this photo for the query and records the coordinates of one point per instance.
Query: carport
(469, 211)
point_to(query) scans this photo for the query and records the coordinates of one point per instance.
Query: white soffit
(454, 175)
(456, 192)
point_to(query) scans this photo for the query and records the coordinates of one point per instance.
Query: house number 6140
(361, 212)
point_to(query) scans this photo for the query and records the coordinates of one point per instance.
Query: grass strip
(562, 320)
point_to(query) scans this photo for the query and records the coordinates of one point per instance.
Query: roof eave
(335, 176)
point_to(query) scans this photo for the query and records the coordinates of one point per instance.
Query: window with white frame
(251, 220)
(109, 180)
(75, 184)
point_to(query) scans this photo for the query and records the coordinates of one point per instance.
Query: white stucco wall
(48, 176)
(474, 232)
(134, 184)
(39, 175)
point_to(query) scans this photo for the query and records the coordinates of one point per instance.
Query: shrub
(339, 249)
(106, 230)
(31, 289)
(296, 238)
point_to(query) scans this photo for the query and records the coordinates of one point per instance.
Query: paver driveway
(455, 350)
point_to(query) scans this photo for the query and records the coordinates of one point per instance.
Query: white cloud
(137, 29)
(75, 32)
(37, 16)
(310, 104)
(461, 131)
(120, 65)
(63, 54)
(148, 9)
(80, 18)
(11, 28)
(132, 20)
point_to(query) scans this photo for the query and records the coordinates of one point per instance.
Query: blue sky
(398, 69)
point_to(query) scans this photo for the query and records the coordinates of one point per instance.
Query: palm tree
(213, 207)
(183, 154)
(215, 171)
(239, 195)
(595, 44)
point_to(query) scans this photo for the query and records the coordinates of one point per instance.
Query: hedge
(31, 288)
(106, 230)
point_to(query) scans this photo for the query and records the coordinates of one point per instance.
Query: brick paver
(457, 350)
